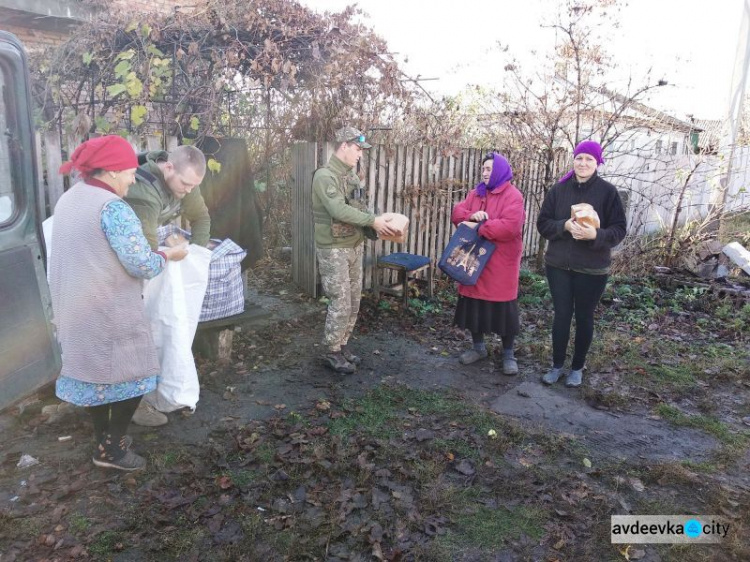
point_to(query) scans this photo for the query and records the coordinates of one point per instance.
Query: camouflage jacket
(338, 207)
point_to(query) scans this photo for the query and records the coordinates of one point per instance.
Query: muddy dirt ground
(626, 455)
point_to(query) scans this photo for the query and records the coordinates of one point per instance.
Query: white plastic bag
(47, 226)
(173, 304)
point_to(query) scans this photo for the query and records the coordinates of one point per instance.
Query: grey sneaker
(472, 356)
(125, 442)
(337, 362)
(574, 378)
(148, 416)
(553, 375)
(129, 462)
(510, 366)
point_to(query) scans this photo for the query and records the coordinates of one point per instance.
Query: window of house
(7, 191)
(657, 147)
(673, 149)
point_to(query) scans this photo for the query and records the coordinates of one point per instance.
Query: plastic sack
(173, 302)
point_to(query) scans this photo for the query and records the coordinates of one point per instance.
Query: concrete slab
(620, 436)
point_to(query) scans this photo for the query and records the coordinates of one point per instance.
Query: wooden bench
(213, 339)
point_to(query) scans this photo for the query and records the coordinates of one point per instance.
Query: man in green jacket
(167, 187)
(341, 224)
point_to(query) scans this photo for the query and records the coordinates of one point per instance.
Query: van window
(7, 195)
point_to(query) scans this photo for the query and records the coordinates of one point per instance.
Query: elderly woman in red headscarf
(491, 306)
(578, 255)
(98, 261)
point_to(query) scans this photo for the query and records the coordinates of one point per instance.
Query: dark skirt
(487, 317)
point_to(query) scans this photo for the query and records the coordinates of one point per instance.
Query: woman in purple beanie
(578, 255)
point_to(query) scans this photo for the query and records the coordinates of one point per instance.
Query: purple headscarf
(589, 147)
(501, 173)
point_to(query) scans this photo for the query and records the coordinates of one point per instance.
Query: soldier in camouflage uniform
(341, 225)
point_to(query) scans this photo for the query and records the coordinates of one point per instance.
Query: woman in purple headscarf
(578, 255)
(491, 306)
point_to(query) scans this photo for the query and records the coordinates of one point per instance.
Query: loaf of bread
(584, 214)
(400, 223)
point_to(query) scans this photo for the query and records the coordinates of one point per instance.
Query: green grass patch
(381, 413)
(702, 467)
(422, 307)
(182, 540)
(458, 447)
(377, 412)
(78, 524)
(709, 424)
(105, 544)
(736, 228)
(166, 459)
(671, 375)
(23, 528)
(242, 478)
(489, 529)
(533, 290)
(265, 453)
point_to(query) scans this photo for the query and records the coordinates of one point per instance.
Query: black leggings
(579, 292)
(111, 423)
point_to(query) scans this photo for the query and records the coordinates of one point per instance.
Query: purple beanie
(592, 148)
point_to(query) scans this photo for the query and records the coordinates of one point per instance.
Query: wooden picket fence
(419, 182)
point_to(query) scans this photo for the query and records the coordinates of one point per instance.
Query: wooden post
(53, 161)
(304, 262)
(41, 193)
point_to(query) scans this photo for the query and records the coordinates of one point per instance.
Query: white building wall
(652, 186)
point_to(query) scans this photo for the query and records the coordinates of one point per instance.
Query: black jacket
(564, 251)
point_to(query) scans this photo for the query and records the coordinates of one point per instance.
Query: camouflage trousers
(341, 274)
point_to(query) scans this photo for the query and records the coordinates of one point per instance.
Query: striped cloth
(224, 295)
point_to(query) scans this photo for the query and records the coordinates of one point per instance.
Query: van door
(29, 353)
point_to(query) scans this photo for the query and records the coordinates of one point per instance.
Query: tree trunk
(673, 229)
(549, 165)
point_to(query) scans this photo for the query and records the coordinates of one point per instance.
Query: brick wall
(35, 39)
(146, 6)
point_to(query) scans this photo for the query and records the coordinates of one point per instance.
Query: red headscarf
(110, 153)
